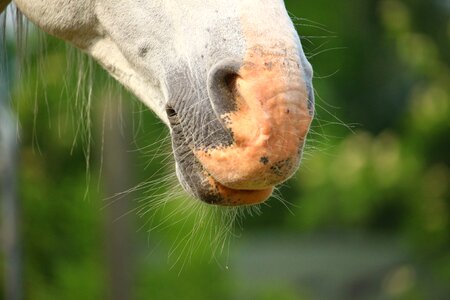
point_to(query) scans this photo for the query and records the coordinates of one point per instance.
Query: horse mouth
(219, 194)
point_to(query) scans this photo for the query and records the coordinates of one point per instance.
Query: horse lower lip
(236, 197)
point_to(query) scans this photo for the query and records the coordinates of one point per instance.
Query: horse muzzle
(265, 105)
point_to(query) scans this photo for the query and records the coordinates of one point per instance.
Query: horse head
(229, 78)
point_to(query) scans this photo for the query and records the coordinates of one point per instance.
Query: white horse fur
(229, 78)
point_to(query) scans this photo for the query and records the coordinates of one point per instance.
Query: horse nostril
(230, 82)
(225, 91)
(222, 86)
(172, 115)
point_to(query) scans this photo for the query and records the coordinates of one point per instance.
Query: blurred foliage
(377, 162)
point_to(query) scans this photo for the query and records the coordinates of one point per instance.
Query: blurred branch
(116, 178)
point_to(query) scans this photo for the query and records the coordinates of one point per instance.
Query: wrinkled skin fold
(229, 78)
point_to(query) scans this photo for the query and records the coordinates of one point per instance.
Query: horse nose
(263, 103)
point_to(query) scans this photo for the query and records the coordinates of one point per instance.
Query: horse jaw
(148, 91)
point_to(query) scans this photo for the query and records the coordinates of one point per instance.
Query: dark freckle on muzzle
(268, 65)
(279, 168)
(264, 160)
(142, 51)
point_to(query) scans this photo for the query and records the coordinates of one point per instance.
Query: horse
(229, 78)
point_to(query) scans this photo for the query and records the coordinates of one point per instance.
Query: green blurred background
(366, 217)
